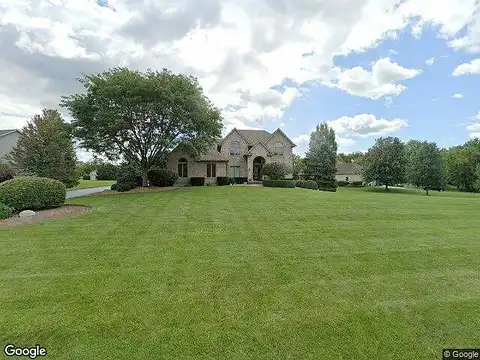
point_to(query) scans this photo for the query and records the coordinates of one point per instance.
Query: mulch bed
(49, 214)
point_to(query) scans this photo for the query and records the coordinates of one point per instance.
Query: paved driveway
(84, 192)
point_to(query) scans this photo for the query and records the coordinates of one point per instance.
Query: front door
(257, 172)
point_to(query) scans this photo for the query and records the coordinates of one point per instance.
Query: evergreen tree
(46, 149)
(321, 158)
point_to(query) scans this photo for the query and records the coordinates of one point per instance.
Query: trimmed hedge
(5, 211)
(223, 180)
(197, 181)
(123, 187)
(306, 184)
(279, 183)
(327, 185)
(6, 172)
(32, 193)
(86, 177)
(238, 180)
(162, 177)
(114, 187)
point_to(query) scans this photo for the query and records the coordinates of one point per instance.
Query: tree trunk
(386, 187)
(426, 191)
(144, 178)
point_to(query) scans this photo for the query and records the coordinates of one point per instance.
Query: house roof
(249, 152)
(6, 132)
(348, 169)
(255, 136)
(212, 154)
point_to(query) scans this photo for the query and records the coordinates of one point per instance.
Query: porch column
(250, 168)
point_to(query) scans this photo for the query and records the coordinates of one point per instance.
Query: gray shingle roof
(255, 136)
(212, 154)
(348, 169)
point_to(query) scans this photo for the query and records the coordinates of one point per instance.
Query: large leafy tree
(139, 117)
(461, 164)
(321, 157)
(298, 165)
(425, 167)
(385, 162)
(45, 148)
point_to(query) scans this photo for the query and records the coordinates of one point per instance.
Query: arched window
(278, 148)
(182, 168)
(235, 148)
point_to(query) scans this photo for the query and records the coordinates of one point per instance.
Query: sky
(370, 68)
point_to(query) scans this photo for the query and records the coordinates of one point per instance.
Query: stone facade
(250, 145)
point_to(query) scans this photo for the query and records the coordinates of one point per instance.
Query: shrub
(197, 181)
(223, 180)
(106, 171)
(342, 183)
(356, 184)
(113, 187)
(238, 180)
(122, 187)
(86, 177)
(70, 183)
(6, 172)
(162, 177)
(5, 211)
(327, 184)
(306, 184)
(279, 183)
(32, 193)
(276, 170)
(128, 173)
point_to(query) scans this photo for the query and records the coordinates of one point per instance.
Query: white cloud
(392, 52)
(458, 96)
(234, 47)
(374, 84)
(473, 67)
(430, 61)
(365, 125)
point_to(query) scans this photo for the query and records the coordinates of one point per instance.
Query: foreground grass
(247, 273)
(87, 184)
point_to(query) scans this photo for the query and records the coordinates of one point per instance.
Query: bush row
(350, 183)
(306, 184)
(279, 183)
(32, 193)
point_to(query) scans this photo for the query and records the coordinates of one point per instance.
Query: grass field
(87, 184)
(247, 273)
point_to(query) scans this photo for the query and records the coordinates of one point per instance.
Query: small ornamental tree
(276, 170)
(140, 117)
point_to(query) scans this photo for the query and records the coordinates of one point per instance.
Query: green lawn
(86, 184)
(247, 273)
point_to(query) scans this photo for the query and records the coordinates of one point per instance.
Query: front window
(235, 148)
(211, 170)
(235, 171)
(278, 148)
(182, 168)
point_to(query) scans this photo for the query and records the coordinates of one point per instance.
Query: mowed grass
(247, 273)
(87, 184)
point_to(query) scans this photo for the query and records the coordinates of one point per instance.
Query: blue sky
(383, 68)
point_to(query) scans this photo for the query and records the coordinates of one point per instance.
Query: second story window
(235, 148)
(278, 148)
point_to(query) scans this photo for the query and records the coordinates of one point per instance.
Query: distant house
(242, 154)
(93, 175)
(349, 172)
(8, 140)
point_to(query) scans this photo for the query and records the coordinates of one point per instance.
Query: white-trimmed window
(235, 148)
(182, 168)
(278, 148)
(211, 170)
(235, 171)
